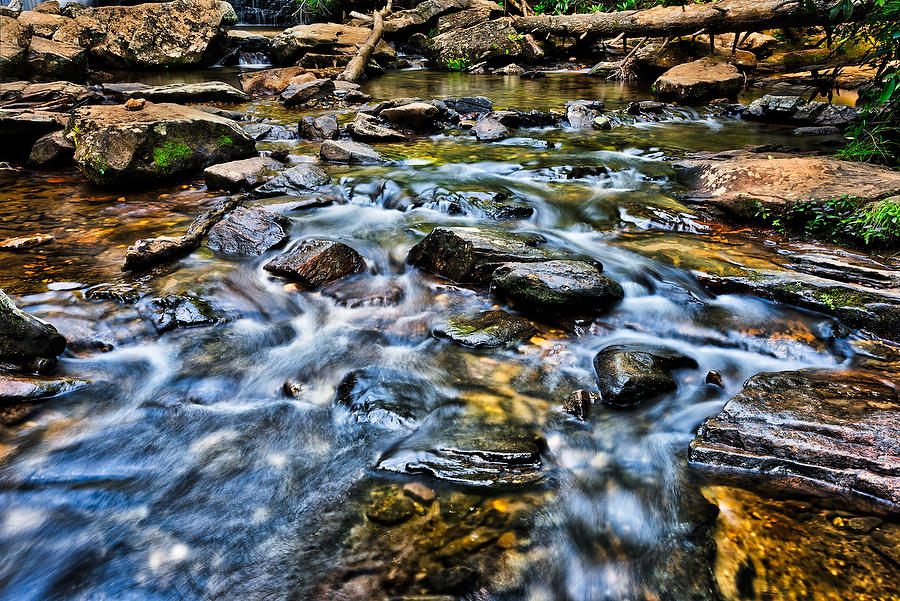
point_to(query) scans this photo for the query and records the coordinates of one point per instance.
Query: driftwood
(357, 65)
(728, 16)
(148, 252)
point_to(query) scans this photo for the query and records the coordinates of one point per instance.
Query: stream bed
(213, 462)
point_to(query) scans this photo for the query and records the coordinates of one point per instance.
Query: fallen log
(357, 65)
(147, 252)
(728, 16)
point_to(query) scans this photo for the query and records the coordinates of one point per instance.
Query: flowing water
(184, 471)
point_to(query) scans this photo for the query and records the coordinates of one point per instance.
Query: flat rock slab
(468, 254)
(17, 387)
(487, 329)
(244, 174)
(354, 153)
(209, 91)
(811, 429)
(700, 80)
(247, 232)
(560, 286)
(296, 181)
(314, 263)
(628, 375)
(737, 182)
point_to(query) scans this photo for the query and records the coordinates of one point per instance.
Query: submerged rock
(23, 337)
(296, 181)
(560, 286)
(354, 153)
(629, 375)
(811, 429)
(701, 80)
(387, 397)
(486, 329)
(467, 254)
(26, 242)
(178, 311)
(366, 291)
(247, 232)
(313, 263)
(245, 174)
(116, 146)
(18, 387)
(388, 506)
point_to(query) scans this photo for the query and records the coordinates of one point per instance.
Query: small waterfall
(264, 12)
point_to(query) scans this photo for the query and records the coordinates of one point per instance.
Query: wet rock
(267, 132)
(645, 107)
(558, 286)
(245, 174)
(356, 97)
(825, 130)
(738, 183)
(296, 181)
(51, 150)
(20, 129)
(116, 146)
(180, 93)
(467, 449)
(354, 153)
(810, 429)
(23, 337)
(17, 387)
(491, 206)
(248, 41)
(628, 375)
(178, 311)
(466, 254)
(487, 329)
(152, 35)
(601, 123)
(47, 58)
(698, 81)
(491, 130)
(318, 128)
(42, 24)
(247, 232)
(8, 173)
(603, 69)
(368, 129)
(332, 39)
(419, 492)
(714, 378)
(579, 403)
(581, 114)
(313, 263)
(796, 110)
(270, 82)
(415, 115)
(387, 397)
(469, 104)
(511, 69)
(308, 92)
(366, 291)
(26, 242)
(388, 506)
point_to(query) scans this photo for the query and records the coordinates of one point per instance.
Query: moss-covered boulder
(486, 329)
(23, 337)
(114, 145)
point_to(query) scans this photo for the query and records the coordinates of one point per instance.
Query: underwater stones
(385, 397)
(313, 263)
(23, 337)
(295, 181)
(307, 92)
(366, 291)
(630, 374)
(559, 286)
(468, 254)
(486, 329)
(488, 129)
(115, 146)
(324, 127)
(579, 404)
(387, 506)
(368, 128)
(178, 311)
(244, 174)
(18, 387)
(208, 91)
(811, 429)
(698, 81)
(354, 153)
(458, 447)
(247, 232)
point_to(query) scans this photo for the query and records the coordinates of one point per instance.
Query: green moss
(164, 156)
(225, 141)
(837, 297)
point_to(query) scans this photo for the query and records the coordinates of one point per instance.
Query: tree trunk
(728, 16)
(357, 65)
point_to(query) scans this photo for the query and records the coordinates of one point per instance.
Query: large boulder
(244, 174)
(467, 254)
(13, 32)
(42, 24)
(47, 58)
(168, 34)
(313, 263)
(208, 91)
(428, 12)
(247, 232)
(23, 337)
(698, 81)
(115, 145)
(796, 110)
(355, 153)
(628, 375)
(811, 429)
(492, 40)
(330, 39)
(558, 286)
(739, 183)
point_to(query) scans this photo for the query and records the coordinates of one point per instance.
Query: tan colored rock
(326, 39)
(483, 42)
(42, 24)
(701, 80)
(177, 33)
(55, 59)
(14, 33)
(50, 7)
(135, 104)
(270, 82)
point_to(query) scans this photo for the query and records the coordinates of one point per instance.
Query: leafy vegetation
(164, 156)
(844, 219)
(313, 10)
(458, 64)
(564, 7)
